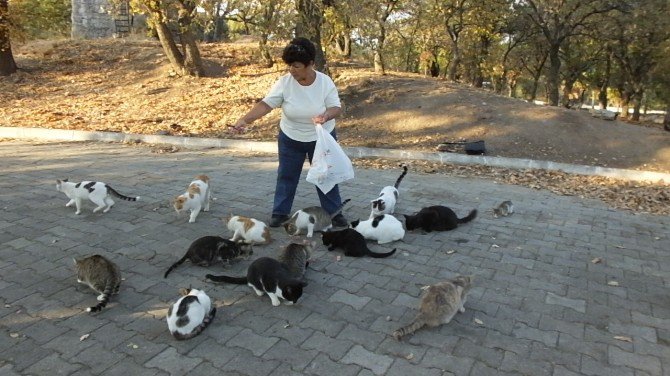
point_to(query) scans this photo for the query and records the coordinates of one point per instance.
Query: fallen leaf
(597, 260)
(479, 322)
(7, 306)
(495, 246)
(619, 246)
(613, 283)
(624, 338)
(14, 335)
(388, 318)
(409, 356)
(286, 325)
(338, 258)
(451, 251)
(83, 337)
(132, 345)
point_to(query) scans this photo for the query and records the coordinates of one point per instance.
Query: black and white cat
(313, 218)
(268, 276)
(436, 218)
(385, 203)
(351, 242)
(208, 249)
(191, 314)
(100, 274)
(383, 228)
(99, 193)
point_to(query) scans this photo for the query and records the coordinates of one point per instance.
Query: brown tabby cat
(439, 304)
(100, 274)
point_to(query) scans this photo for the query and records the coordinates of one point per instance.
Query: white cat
(195, 198)
(191, 314)
(383, 228)
(250, 230)
(99, 193)
(385, 203)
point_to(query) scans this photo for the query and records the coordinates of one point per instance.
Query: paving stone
(172, 362)
(335, 348)
(549, 338)
(576, 304)
(52, 363)
(378, 364)
(357, 302)
(619, 357)
(257, 344)
(322, 365)
(435, 358)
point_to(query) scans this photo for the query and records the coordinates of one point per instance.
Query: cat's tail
(224, 278)
(380, 255)
(397, 182)
(109, 288)
(409, 329)
(339, 210)
(119, 195)
(468, 217)
(175, 265)
(198, 329)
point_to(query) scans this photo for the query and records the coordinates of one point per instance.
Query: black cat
(208, 249)
(436, 218)
(270, 276)
(352, 242)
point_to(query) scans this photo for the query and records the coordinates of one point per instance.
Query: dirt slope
(125, 85)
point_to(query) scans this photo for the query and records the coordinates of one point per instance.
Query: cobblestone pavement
(539, 306)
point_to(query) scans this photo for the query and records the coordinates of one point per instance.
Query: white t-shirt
(300, 103)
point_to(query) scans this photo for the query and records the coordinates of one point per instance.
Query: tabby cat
(295, 257)
(208, 249)
(269, 276)
(191, 314)
(439, 304)
(99, 193)
(313, 218)
(504, 209)
(100, 274)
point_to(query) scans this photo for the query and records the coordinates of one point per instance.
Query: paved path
(540, 307)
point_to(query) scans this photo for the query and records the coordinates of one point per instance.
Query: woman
(307, 97)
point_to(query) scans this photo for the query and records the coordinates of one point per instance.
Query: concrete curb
(354, 152)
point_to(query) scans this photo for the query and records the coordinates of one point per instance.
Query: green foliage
(38, 19)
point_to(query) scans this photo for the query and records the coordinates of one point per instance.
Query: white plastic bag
(330, 165)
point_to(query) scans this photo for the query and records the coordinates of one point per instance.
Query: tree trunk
(192, 60)
(666, 118)
(553, 77)
(170, 48)
(7, 63)
(567, 92)
(378, 56)
(455, 62)
(266, 56)
(637, 103)
(625, 104)
(536, 83)
(602, 93)
(309, 26)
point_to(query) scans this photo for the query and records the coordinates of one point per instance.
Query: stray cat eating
(101, 275)
(208, 249)
(191, 314)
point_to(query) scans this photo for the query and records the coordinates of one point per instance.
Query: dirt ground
(126, 85)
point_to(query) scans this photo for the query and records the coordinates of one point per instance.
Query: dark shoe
(277, 220)
(340, 221)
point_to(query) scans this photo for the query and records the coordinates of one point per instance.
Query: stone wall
(92, 19)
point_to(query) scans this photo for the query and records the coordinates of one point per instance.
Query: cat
(314, 218)
(436, 218)
(195, 198)
(191, 314)
(270, 276)
(439, 304)
(208, 249)
(100, 274)
(295, 257)
(99, 193)
(250, 230)
(383, 228)
(385, 203)
(352, 242)
(504, 209)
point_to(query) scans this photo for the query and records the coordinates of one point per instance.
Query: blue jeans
(291, 158)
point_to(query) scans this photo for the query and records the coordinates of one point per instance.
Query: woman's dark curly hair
(299, 50)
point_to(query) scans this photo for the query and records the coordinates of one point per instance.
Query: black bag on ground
(475, 147)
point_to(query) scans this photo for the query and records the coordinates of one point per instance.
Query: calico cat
(383, 228)
(100, 274)
(504, 209)
(250, 230)
(314, 218)
(99, 193)
(352, 242)
(191, 314)
(296, 258)
(270, 276)
(385, 203)
(208, 249)
(195, 198)
(439, 304)
(436, 218)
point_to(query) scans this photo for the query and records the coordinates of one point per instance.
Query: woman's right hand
(240, 125)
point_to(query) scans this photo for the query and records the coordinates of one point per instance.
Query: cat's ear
(66, 180)
(184, 291)
(355, 223)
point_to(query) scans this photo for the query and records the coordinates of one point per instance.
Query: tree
(558, 21)
(7, 63)
(310, 19)
(181, 13)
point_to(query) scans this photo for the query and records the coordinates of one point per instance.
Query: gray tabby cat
(313, 218)
(295, 257)
(504, 209)
(439, 304)
(100, 274)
